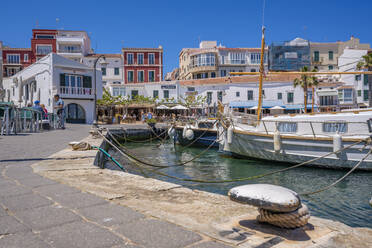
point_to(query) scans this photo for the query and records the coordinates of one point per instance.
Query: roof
(238, 79)
(16, 49)
(108, 55)
(141, 49)
(253, 49)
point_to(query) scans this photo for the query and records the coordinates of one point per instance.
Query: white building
(54, 74)
(111, 67)
(73, 44)
(357, 90)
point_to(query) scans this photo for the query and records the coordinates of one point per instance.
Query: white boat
(299, 138)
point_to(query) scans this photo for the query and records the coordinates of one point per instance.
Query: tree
(306, 81)
(366, 63)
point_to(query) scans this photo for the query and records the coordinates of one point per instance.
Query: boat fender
(171, 132)
(189, 134)
(184, 131)
(276, 137)
(229, 134)
(337, 142)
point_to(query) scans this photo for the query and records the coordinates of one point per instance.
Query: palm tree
(366, 63)
(306, 81)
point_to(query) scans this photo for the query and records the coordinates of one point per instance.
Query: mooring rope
(237, 179)
(146, 140)
(340, 179)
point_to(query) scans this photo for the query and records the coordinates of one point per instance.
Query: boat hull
(296, 150)
(202, 138)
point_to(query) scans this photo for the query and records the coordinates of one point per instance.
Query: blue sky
(178, 24)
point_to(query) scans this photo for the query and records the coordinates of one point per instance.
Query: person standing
(60, 107)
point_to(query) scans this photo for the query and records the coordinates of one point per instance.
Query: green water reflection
(347, 202)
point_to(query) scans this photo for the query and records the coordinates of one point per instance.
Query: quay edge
(212, 216)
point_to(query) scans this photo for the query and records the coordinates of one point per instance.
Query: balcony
(76, 92)
(203, 68)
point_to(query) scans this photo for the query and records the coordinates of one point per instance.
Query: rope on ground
(340, 179)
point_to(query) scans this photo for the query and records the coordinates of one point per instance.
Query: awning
(179, 107)
(162, 107)
(277, 107)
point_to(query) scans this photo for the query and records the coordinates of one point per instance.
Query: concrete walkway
(39, 212)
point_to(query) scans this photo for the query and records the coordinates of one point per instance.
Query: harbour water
(347, 202)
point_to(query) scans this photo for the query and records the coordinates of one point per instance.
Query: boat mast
(262, 70)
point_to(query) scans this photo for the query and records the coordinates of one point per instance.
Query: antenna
(37, 24)
(57, 22)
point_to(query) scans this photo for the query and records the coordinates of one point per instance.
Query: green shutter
(62, 81)
(87, 82)
(365, 79)
(359, 93)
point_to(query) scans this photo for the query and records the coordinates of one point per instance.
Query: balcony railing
(76, 90)
(70, 51)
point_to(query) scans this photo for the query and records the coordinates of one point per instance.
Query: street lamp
(95, 87)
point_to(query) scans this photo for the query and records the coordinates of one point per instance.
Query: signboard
(168, 87)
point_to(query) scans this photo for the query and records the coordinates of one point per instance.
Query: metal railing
(14, 120)
(76, 90)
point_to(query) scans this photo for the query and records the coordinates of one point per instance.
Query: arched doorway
(75, 113)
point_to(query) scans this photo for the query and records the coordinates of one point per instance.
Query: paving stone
(2, 211)
(126, 246)
(45, 217)
(210, 244)
(80, 234)
(56, 190)
(155, 233)
(18, 172)
(79, 200)
(110, 214)
(23, 240)
(13, 190)
(23, 202)
(9, 224)
(36, 181)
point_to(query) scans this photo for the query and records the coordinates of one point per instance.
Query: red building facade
(43, 42)
(142, 65)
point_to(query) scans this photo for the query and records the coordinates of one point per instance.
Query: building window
(151, 59)
(253, 70)
(104, 82)
(359, 93)
(103, 69)
(330, 67)
(205, 59)
(287, 127)
(213, 74)
(166, 94)
(237, 58)
(358, 77)
(140, 58)
(237, 94)
(316, 56)
(130, 58)
(250, 95)
(330, 55)
(223, 73)
(219, 96)
(134, 94)
(140, 76)
(39, 36)
(25, 57)
(43, 50)
(333, 127)
(192, 89)
(310, 95)
(280, 96)
(205, 75)
(130, 76)
(155, 94)
(255, 58)
(13, 58)
(290, 97)
(116, 71)
(365, 95)
(151, 76)
(209, 97)
(365, 80)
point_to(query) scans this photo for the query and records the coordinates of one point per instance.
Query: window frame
(43, 45)
(130, 60)
(148, 59)
(138, 76)
(132, 72)
(142, 60)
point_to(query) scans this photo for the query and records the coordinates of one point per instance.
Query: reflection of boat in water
(202, 133)
(299, 138)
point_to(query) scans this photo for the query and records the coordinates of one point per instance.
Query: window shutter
(87, 82)
(62, 81)
(365, 79)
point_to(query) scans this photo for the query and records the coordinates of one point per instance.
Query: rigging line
(263, 13)
(340, 179)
